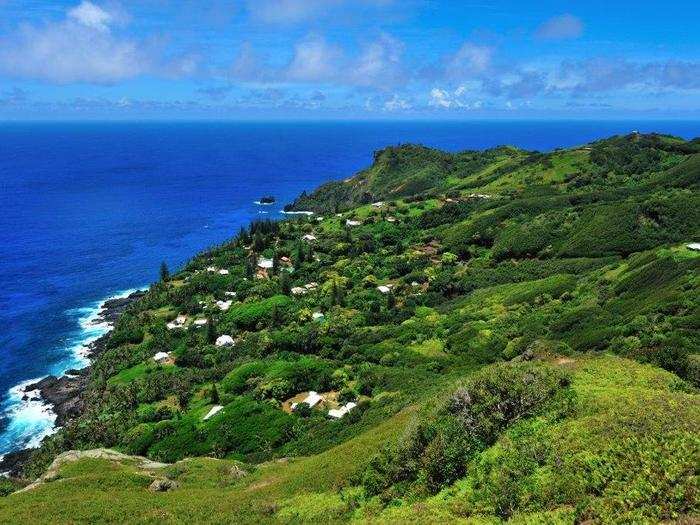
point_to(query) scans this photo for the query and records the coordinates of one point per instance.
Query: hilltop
(473, 337)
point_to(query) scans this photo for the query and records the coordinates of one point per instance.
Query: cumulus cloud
(604, 75)
(379, 64)
(397, 103)
(84, 46)
(314, 60)
(471, 59)
(560, 27)
(90, 15)
(444, 99)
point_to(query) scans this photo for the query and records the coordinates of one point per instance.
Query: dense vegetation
(518, 330)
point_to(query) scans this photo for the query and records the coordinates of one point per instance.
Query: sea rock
(113, 308)
(64, 394)
(12, 463)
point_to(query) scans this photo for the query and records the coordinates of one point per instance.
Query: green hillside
(517, 334)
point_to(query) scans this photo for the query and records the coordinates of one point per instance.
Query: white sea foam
(30, 418)
(297, 212)
(263, 203)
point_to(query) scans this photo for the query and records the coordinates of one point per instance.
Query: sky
(348, 59)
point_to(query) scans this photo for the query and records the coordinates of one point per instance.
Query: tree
(285, 285)
(275, 263)
(214, 394)
(390, 301)
(300, 255)
(275, 316)
(164, 272)
(211, 330)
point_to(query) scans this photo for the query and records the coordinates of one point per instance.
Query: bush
(436, 453)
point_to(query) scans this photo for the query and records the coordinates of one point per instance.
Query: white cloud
(396, 103)
(379, 64)
(440, 98)
(314, 60)
(90, 15)
(471, 58)
(443, 99)
(560, 27)
(84, 47)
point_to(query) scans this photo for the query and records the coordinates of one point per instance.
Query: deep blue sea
(89, 211)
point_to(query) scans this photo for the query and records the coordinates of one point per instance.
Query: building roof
(224, 340)
(214, 410)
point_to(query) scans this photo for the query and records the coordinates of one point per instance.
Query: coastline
(57, 398)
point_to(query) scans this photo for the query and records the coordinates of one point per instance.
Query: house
(199, 322)
(212, 268)
(377, 204)
(318, 316)
(223, 272)
(230, 294)
(337, 413)
(225, 340)
(298, 290)
(312, 400)
(214, 410)
(311, 286)
(177, 323)
(308, 237)
(224, 305)
(265, 263)
(348, 222)
(391, 219)
(319, 219)
(161, 357)
(384, 288)
(693, 246)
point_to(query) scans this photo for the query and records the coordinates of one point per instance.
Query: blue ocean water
(89, 210)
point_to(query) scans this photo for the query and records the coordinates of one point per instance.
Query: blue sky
(364, 59)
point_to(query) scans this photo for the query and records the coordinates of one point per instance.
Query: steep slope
(482, 280)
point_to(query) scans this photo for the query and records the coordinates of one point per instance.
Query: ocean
(89, 210)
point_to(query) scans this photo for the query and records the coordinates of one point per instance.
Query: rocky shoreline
(64, 393)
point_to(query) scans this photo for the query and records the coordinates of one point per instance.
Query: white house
(384, 288)
(298, 290)
(199, 322)
(223, 272)
(230, 294)
(178, 322)
(214, 410)
(161, 357)
(265, 263)
(224, 305)
(317, 316)
(352, 223)
(309, 237)
(312, 400)
(378, 204)
(337, 413)
(212, 268)
(225, 340)
(693, 246)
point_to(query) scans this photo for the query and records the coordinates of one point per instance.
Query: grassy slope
(621, 406)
